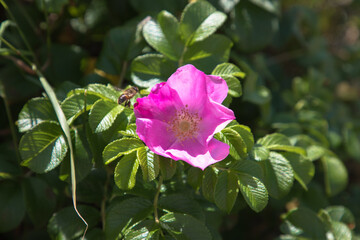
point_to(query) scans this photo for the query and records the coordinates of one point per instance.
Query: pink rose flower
(179, 118)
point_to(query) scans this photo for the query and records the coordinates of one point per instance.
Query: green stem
(181, 60)
(12, 126)
(156, 198)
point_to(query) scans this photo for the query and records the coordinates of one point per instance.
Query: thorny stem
(156, 198)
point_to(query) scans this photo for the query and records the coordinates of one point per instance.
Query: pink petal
(161, 104)
(215, 152)
(217, 88)
(155, 135)
(190, 83)
(215, 117)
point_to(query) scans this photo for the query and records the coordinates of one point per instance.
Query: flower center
(184, 124)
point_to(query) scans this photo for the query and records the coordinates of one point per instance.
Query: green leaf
(259, 153)
(167, 167)
(336, 176)
(182, 226)
(130, 131)
(280, 142)
(40, 200)
(208, 184)
(106, 92)
(245, 134)
(203, 55)
(150, 69)
(194, 177)
(229, 72)
(12, 211)
(341, 231)
(199, 20)
(308, 222)
(252, 27)
(43, 148)
(77, 103)
(180, 203)
(164, 35)
(239, 138)
(121, 147)
(341, 214)
(304, 169)
(65, 224)
(34, 112)
(279, 175)
(226, 190)
(149, 163)
(314, 152)
(125, 171)
(253, 190)
(103, 115)
(119, 215)
(228, 69)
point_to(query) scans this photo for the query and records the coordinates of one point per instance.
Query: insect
(127, 95)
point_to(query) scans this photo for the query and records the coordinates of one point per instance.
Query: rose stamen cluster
(184, 125)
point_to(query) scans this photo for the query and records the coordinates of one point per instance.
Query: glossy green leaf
(252, 188)
(279, 142)
(164, 35)
(245, 134)
(150, 69)
(238, 146)
(229, 72)
(12, 197)
(65, 224)
(341, 214)
(125, 171)
(34, 112)
(119, 215)
(304, 169)
(106, 92)
(336, 175)
(121, 147)
(149, 163)
(181, 203)
(341, 231)
(279, 175)
(253, 191)
(43, 148)
(103, 115)
(39, 199)
(182, 226)
(130, 131)
(205, 56)
(199, 20)
(259, 153)
(167, 167)
(314, 152)
(308, 222)
(226, 190)
(76, 104)
(194, 177)
(208, 184)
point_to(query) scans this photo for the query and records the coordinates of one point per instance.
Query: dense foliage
(292, 68)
